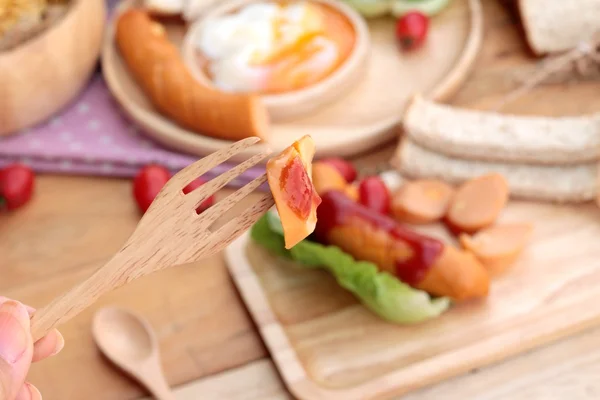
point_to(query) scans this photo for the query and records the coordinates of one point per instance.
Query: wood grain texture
(567, 369)
(439, 68)
(73, 225)
(169, 234)
(327, 346)
(41, 76)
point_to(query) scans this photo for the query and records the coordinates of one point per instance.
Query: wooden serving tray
(362, 119)
(328, 346)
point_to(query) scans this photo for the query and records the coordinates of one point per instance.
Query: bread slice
(491, 136)
(558, 25)
(574, 183)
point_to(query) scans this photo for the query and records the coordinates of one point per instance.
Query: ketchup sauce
(360, 231)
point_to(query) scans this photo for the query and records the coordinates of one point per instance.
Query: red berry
(194, 185)
(411, 30)
(374, 194)
(16, 186)
(147, 183)
(343, 167)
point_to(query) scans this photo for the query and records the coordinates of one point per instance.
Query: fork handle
(80, 297)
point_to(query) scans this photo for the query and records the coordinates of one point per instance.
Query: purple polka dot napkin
(93, 137)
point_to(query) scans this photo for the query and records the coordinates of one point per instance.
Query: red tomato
(411, 30)
(147, 183)
(194, 185)
(344, 167)
(16, 186)
(374, 194)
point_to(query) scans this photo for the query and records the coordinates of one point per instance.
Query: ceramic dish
(302, 102)
(364, 118)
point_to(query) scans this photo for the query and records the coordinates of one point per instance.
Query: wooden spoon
(129, 341)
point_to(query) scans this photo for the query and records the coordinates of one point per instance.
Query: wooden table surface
(210, 347)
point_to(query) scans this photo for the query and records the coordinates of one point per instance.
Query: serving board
(328, 346)
(363, 119)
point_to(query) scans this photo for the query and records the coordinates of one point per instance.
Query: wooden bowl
(302, 102)
(46, 72)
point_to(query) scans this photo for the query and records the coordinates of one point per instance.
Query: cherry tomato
(344, 167)
(194, 185)
(147, 183)
(16, 186)
(374, 194)
(411, 30)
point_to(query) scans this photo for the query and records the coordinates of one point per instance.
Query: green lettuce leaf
(370, 8)
(427, 7)
(379, 291)
(378, 8)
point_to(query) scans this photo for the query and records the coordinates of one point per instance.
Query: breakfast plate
(326, 345)
(360, 120)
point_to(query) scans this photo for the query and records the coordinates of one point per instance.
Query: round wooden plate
(364, 118)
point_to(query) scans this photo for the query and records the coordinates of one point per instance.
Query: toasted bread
(553, 26)
(568, 183)
(490, 136)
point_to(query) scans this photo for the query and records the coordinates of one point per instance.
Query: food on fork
(273, 47)
(170, 233)
(158, 68)
(290, 179)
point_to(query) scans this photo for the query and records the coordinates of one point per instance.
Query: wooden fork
(170, 233)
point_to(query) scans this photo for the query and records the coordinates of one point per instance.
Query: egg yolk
(301, 53)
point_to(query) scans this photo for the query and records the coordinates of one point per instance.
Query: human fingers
(30, 309)
(16, 347)
(48, 346)
(29, 392)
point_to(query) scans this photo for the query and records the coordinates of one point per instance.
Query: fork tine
(196, 197)
(200, 167)
(234, 228)
(209, 216)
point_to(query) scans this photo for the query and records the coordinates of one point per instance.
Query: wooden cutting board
(327, 346)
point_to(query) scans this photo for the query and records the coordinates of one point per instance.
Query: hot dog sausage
(418, 260)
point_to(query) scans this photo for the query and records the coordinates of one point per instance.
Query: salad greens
(427, 7)
(378, 8)
(379, 291)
